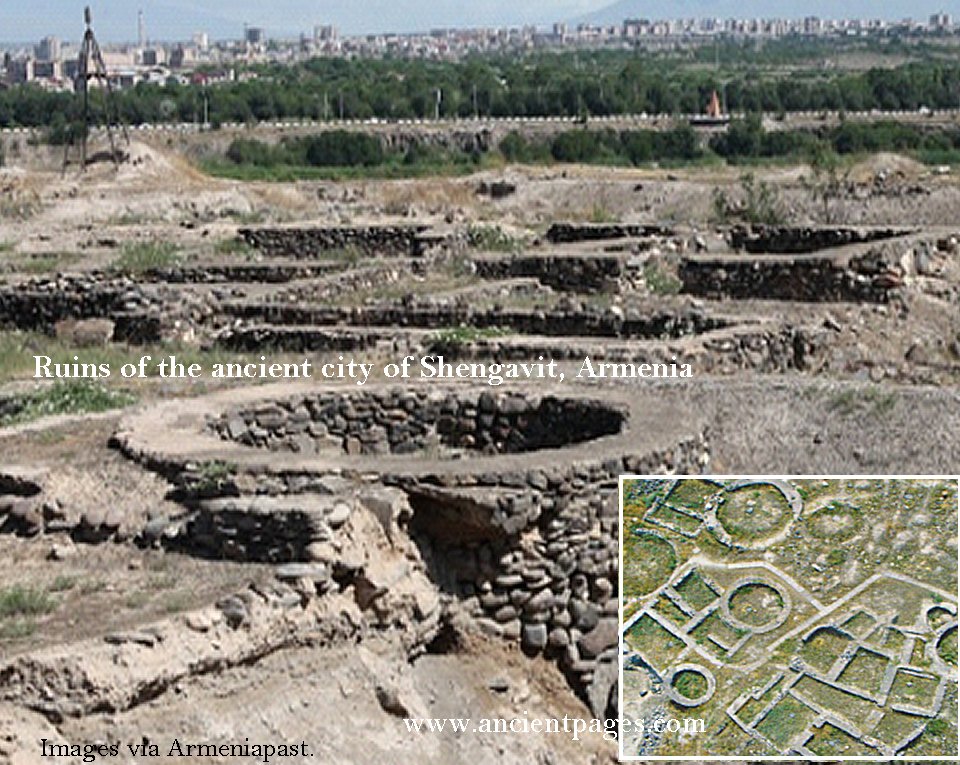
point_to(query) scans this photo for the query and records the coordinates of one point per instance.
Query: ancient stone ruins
(282, 552)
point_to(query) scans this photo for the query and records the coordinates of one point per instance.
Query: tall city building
(49, 49)
(254, 35)
(325, 33)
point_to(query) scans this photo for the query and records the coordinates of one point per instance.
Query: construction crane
(92, 67)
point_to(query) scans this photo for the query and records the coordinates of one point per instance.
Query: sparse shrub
(464, 334)
(136, 257)
(493, 239)
(827, 183)
(758, 203)
(660, 279)
(63, 583)
(211, 477)
(25, 601)
(17, 629)
(235, 246)
(63, 397)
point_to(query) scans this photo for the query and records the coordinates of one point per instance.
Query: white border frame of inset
(772, 758)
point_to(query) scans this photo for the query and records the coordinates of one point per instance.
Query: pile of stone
(262, 529)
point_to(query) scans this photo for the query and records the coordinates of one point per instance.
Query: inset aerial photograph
(813, 617)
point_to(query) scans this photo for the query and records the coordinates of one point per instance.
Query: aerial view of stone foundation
(806, 617)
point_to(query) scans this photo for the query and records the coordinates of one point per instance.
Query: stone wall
(566, 233)
(756, 349)
(39, 304)
(527, 549)
(261, 273)
(141, 314)
(567, 273)
(316, 242)
(407, 422)
(807, 279)
(794, 240)
(558, 322)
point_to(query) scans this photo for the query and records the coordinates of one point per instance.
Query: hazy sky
(26, 20)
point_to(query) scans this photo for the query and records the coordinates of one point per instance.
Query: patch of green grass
(692, 493)
(788, 718)
(865, 671)
(465, 334)
(92, 586)
(211, 475)
(836, 557)
(17, 629)
(756, 604)
(648, 561)
(691, 685)
(63, 583)
(872, 400)
(45, 262)
(653, 642)
(63, 397)
(666, 607)
(493, 239)
(695, 591)
(136, 599)
(660, 281)
(25, 601)
(129, 219)
(947, 647)
(136, 257)
(163, 582)
(176, 602)
(600, 214)
(234, 246)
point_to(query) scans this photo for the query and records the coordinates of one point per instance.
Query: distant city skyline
(116, 20)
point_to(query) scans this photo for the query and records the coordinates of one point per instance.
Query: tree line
(744, 141)
(572, 84)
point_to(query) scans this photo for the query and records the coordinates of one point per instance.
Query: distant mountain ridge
(679, 9)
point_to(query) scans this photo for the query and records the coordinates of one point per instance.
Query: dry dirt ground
(881, 397)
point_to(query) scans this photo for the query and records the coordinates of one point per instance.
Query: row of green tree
(342, 148)
(570, 84)
(747, 139)
(744, 140)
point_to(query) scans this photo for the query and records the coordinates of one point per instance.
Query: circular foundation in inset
(648, 562)
(753, 514)
(838, 522)
(758, 605)
(942, 650)
(690, 685)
